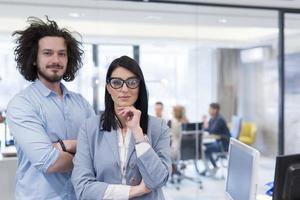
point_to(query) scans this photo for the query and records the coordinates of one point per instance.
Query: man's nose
(55, 58)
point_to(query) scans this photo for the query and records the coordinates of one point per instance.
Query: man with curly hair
(45, 117)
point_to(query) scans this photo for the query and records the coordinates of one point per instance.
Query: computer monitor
(190, 127)
(191, 141)
(287, 178)
(241, 183)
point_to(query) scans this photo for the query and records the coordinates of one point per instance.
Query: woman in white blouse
(124, 153)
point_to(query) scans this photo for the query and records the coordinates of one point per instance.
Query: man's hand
(213, 136)
(70, 145)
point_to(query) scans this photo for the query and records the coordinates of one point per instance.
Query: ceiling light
(75, 14)
(152, 17)
(223, 21)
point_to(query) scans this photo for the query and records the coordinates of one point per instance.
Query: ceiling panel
(134, 21)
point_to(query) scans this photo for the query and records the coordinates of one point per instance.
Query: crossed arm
(29, 132)
(64, 161)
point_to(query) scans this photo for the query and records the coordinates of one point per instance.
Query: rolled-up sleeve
(83, 176)
(155, 163)
(27, 128)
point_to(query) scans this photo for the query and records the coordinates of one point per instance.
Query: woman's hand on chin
(131, 115)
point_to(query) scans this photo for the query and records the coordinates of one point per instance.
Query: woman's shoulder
(155, 120)
(92, 123)
(93, 119)
(157, 123)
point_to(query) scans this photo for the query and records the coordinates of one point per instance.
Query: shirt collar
(64, 89)
(46, 91)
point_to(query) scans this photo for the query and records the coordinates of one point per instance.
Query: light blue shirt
(37, 117)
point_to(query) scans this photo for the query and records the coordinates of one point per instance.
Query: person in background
(45, 117)
(158, 108)
(2, 119)
(124, 153)
(175, 126)
(217, 129)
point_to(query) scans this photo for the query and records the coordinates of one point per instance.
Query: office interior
(192, 53)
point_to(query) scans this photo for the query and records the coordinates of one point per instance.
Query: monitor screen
(241, 171)
(191, 126)
(287, 177)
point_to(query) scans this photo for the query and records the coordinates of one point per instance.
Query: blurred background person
(218, 130)
(178, 118)
(2, 119)
(158, 108)
(205, 121)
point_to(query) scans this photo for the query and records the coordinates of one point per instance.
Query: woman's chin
(124, 104)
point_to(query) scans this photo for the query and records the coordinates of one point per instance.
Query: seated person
(175, 126)
(217, 128)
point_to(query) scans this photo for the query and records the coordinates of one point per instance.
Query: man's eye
(47, 53)
(63, 54)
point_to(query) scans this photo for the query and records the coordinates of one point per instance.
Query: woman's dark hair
(27, 47)
(108, 118)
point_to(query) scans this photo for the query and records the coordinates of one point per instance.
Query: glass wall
(190, 55)
(292, 83)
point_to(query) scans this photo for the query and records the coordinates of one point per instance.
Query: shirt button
(133, 181)
(132, 165)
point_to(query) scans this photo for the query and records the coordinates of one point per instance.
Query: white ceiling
(261, 3)
(132, 21)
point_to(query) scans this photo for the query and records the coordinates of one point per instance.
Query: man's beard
(52, 79)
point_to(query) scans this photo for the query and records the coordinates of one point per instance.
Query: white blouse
(121, 191)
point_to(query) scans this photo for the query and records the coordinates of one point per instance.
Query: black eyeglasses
(117, 83)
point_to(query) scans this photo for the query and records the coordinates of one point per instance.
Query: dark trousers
(210, 149)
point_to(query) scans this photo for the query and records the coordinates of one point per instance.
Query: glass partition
(292, 83)
(190, 55)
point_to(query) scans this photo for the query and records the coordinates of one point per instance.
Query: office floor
(213, 188)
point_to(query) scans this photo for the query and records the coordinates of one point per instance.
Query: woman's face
(123, 96)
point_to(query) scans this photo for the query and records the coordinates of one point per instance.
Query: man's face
(212, 112)
(52, 59)
(158, 110)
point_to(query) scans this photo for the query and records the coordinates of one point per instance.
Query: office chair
(248, 133)
(190, 149)
(222, 158)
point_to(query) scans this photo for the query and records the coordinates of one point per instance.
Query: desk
(8, 167)
(263, 197)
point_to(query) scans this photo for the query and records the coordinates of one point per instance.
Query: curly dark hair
(27, 47)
